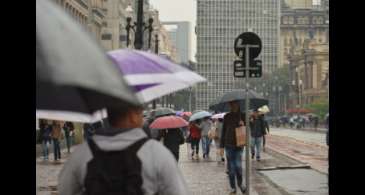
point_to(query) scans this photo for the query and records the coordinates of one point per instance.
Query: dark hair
(114, 114)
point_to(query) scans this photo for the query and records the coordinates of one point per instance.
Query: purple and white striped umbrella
(152, 76)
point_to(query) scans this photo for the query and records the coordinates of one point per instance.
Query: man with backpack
(120, 159)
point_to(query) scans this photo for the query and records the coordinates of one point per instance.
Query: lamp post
(300, 85)
(139, 27)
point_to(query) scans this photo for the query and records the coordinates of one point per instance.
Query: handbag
(212, 133)
(240, 135)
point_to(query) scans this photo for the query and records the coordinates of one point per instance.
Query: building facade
(180, 37)
(79, 10)
(298, 25)
(300, 4)
(310, 64)
(304, 48)
(219, 22)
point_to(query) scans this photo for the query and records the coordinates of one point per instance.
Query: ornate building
(304, 46)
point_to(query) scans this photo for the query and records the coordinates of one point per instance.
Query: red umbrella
(168, 122)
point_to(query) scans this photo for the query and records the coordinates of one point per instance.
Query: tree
(319, 107)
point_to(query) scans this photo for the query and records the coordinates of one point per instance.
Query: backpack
(114, 172)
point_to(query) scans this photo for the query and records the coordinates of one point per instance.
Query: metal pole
(138, 41)
(190, 100)
(156, 51)
(248, 134)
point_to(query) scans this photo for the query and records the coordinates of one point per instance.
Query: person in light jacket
(160, 172)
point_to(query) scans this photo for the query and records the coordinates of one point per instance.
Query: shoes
(243, 189)
(253, 156)
(233, 191)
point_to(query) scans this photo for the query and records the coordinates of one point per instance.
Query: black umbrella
(221, 103)
(162, 112)
(72, 72)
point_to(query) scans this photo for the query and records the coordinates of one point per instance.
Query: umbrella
(187, 114)
(221, 103)
(196, 111)
(72, 72)
(219, 116)
(179, 113)
(168, 122)
(162, 112)
(199, 115)
(152, 76)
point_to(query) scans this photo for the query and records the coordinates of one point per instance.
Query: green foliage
(319, 107)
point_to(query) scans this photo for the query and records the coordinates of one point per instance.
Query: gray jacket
(205, 126)
(160, 172)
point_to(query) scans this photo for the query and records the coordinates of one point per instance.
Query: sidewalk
(319, 130)
(203, 177)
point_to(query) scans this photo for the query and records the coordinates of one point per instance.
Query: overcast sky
(178, 10)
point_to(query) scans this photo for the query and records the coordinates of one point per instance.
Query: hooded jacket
(160, 172)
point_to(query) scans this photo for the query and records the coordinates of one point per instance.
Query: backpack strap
(94, 148)
(133, 148)
(137, 145)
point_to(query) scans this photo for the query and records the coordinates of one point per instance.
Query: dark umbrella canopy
(162, 112)
(72, 72)
(221, 103)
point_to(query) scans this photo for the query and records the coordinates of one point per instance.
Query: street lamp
(300, 84)
(138, 27)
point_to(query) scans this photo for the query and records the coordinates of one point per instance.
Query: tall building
(219, 22)
(301, 4)
(180, 36)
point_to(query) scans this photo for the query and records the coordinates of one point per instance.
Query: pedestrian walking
(146, 126)
(68, 129)
(45, 137)
(316, 120)
(217, 138)
(172, 139)
(231, 121)
(205, 126)
(257, 126)
(195, 134)
(56, 135)
(266, 131)
(121, 159)
(88, 131)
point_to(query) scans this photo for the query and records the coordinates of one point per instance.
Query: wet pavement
(301, 146)
(275, 174)
(292, 181)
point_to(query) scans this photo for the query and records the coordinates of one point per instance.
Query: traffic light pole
(248, 163)
(248, 130)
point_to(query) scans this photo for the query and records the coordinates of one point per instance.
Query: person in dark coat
(45, 137)
(257, 126)
(68, 128)
(146, 126)
(172, 139)
(231, 121)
